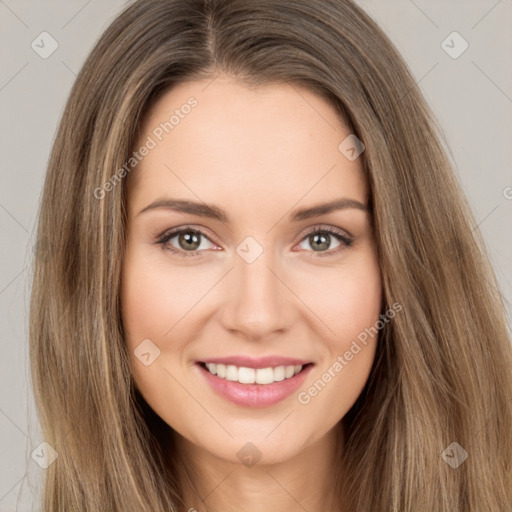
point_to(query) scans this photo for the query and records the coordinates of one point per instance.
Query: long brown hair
(443, 368)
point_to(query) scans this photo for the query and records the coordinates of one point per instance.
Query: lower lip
(255, 395)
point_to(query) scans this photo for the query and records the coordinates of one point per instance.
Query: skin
(259, 154)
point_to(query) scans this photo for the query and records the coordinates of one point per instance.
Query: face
(233, 267)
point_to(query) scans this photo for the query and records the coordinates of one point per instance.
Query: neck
(307, 481)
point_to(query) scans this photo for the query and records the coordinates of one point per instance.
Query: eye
(189, 241)
(320, 240)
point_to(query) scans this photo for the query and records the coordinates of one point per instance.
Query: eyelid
(164, 238)
(329, 228)
(343, 236)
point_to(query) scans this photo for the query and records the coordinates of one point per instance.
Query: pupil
(189, 238)
(321, 239)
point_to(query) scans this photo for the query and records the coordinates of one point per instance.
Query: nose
(258, 301)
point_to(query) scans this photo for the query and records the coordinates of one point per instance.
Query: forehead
(222, 140)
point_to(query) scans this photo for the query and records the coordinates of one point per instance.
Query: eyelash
(344, 240)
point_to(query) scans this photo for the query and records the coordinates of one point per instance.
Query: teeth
(231, 372)
(221, 370)
(264, 376)
(246, 375)
(279, 373)
(250, 375)
(212, 367)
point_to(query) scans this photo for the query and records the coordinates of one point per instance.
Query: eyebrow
(214, 212)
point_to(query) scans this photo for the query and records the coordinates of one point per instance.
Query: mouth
(254, 385)
(247, 375)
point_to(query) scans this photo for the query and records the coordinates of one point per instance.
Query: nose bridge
(256, 302)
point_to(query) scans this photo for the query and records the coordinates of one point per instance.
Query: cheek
(155, 299)
(157, 304)
(150, 307)
(358, 305)
(359, 311)
(351, 308)
(346, 300)
(142, 306)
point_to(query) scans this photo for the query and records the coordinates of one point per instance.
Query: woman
(266, 292)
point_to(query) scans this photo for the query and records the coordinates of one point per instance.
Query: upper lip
(256, 362)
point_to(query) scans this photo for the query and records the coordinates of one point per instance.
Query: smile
(254, 387)
(251, 375)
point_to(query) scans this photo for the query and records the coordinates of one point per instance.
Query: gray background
(471, 96)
